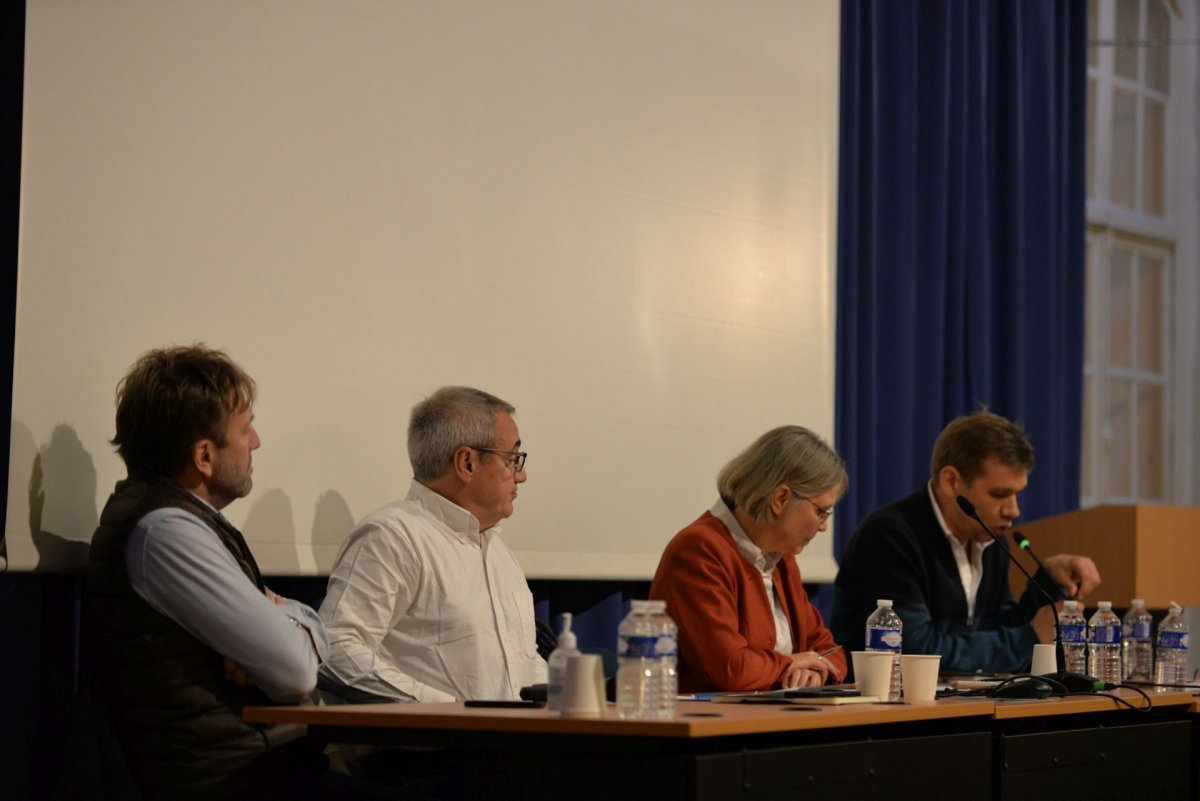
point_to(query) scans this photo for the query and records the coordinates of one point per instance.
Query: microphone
(1023, 543)
(1073, 682)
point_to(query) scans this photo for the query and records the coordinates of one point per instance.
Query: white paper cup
(1045, 659)
(918, 675)
(873, 673)
(583, 690)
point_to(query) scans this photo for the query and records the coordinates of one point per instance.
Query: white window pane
(1124, 141)
(1089, 480)
(1120, 309)
(1089, 323)
(1091, 138)
(1153, 162)
(1150, 480)
(1157, 55)
(1150, 314)
(1127, 31)
(1119, 436)
(1092, 31)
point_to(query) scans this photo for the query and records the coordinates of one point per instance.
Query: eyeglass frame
(518, 457)
(823, 514)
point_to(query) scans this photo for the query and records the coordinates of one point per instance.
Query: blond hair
(790, 455)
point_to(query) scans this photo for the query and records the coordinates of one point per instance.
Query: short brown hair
(172, 398)
(967, 442)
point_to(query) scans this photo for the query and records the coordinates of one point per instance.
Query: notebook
(799, 695)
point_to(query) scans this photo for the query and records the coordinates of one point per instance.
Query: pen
(829, 651)
(710, 696)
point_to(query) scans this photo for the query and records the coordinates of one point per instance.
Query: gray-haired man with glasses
(425, 601)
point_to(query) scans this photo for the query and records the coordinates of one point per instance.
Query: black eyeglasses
(516, 459)
(822, 513)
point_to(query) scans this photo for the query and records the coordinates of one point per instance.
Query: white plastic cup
(1045, 659)
(583, 690)
(919, 674)
(873, 672)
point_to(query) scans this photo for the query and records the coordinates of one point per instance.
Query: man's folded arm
(179, 566)
(354, 664)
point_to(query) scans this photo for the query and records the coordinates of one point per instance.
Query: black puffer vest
(179, 720)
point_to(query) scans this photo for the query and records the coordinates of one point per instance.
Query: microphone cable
(1054, 689)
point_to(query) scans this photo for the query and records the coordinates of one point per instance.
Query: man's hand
(1075, 574)
(807, 670)
(234, 673)
(279, 600)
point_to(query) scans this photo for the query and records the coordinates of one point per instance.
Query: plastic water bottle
(1104, 645)
(1073, 625)
(646, 650)
(557, 665)
(667, 651)
(1137, 645)
(1170, 664)
(885, 632)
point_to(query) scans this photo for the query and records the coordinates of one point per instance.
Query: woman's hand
(808, 669)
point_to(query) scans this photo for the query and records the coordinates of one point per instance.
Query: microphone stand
(1073, 682)
(1023, 543)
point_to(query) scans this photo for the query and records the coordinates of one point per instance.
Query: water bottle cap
(1104, 605)
(1072, 605)
(1137, 602)
(656, 606)
(884, 602)
(639, 606)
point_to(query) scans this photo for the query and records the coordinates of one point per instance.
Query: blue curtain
(961, 237)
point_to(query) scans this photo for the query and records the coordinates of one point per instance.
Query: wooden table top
(1074, 704)
(696, 719)
(693, 718)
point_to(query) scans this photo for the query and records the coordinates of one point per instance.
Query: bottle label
(1175, 640)
(1139, 630)
(1106, 635)
(1073, 632)
(883, 640)
(647, 647)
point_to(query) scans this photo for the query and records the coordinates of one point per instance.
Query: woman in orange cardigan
(731, 581)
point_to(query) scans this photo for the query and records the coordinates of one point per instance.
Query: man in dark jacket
(938, 566)
(180, 633)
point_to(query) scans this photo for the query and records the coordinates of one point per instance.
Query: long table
(968, 749)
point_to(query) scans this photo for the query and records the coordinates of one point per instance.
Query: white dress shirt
(969, 558)
(765, 563)
(423, 606)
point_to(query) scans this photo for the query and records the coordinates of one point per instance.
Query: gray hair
(790, 455)
(447, 420)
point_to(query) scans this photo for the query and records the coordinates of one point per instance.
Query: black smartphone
(506, 704)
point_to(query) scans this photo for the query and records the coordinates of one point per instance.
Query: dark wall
(39, 625)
